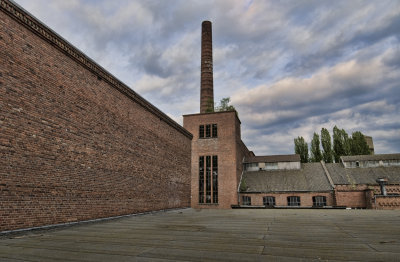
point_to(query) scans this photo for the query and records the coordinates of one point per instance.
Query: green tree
(316, 155)
(326, 146)
(301, 148)
(224, 105)
(359, 145)
(341, 143)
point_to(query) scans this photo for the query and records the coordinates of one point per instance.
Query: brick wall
(351, 195)
(225, 146)
(74, 144)
(386, 202)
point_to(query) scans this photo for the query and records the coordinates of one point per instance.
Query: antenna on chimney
(206, 82)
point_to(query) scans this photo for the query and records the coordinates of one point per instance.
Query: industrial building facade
(77, 144)
(226, 174)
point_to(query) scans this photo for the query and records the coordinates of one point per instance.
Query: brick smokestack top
(206, 82)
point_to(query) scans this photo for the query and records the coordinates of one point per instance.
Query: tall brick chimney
(206, 82)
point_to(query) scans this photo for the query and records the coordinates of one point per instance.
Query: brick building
(78, 144)
(217, 147)
(283, 181)
(369, 181)
(226, 174)
(75, 142)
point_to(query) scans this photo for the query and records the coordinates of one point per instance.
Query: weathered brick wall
(351, 195)
(72, 146)
(390, 202)
(367, 196)
(376, 201)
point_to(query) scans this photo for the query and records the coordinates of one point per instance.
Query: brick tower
(206, 82)
(217, 148)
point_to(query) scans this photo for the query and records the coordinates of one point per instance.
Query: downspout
(240, 182)
(328, 176)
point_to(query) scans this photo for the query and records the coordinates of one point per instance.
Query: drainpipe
(240, 182)
(328, 176)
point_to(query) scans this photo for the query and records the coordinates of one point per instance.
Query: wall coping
(214, 113)
(29, 21)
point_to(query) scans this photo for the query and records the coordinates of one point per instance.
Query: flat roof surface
(219, 235)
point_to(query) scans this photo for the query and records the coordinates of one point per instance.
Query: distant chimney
(382, 182)
(206, 82)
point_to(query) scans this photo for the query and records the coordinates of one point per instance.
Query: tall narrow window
(319, 201)
(208, 130)
(215, 178)
(201, 131)
(214, 130)
(269, 201)
(208, 179)
(201, 179)
(293, 200)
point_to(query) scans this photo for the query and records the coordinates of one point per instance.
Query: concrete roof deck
(219, 235)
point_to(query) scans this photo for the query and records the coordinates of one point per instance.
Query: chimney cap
(382, 180)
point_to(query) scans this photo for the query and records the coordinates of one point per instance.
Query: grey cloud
(393, 58)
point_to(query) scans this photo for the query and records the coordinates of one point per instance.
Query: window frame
(292, 203)
(246, 200)
(201, 180)
(201, 131)
(208, 179)
(317, 201)
(207, 131)
(214, 179)
(214, 130)
(266, 201)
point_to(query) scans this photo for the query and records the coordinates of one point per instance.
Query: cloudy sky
(289, 67)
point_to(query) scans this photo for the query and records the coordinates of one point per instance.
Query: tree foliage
(301, 148)
(326, 145)
(316, 155)
(359, 145)
(225, 106)
(341, 143)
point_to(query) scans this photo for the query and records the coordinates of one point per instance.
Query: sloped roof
(349, 176)
(273, 158)
(371, 157)
(311, 177)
